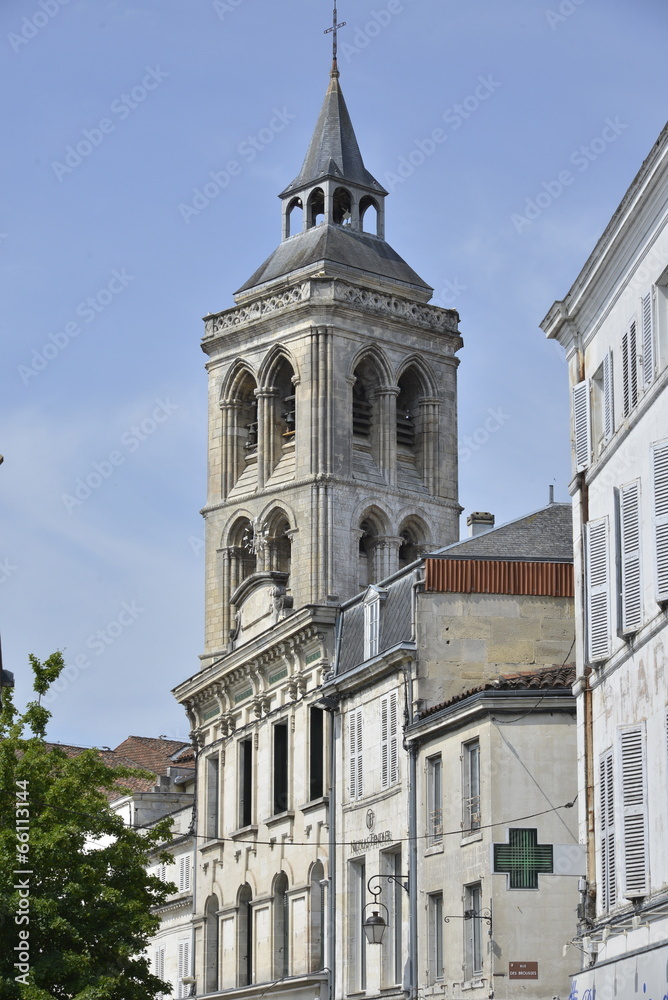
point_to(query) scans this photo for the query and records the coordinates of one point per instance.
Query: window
(184, 873)
(628, 513)
(316, 754)
(597, 577)
(317, 917)
(357, 937)
(435, 911)
(634, 808)
(371, 626)
(212, 801)
(183, 989)
(582, 425)
(245, 936)
(245, 782)
(472, 931)
(660, 477)
(434, 801)
(159, 963)
(161, 872)
(389, 739)
(281, 800)
(603, 416)
(608, 894)
(355, 751)
(281, 927)
(211, 944)
(471, 786)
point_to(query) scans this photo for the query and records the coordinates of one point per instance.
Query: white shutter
(184, 873)
(660, 476)
(159, 961)
(356, 760)
(634, 809)
(183, 968)
(384, 741)
(608, 398)
(582, 425)
(647, 340)
(394, 738)
(389, 739)
(608, 896)
(630, 368)
(598, 601)
(629, 524)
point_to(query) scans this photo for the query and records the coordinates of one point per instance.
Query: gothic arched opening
(281, 927)
(278, 545)
(316, 208)
(245, 936)
(317, 917)
(239, 428)
(369, 215)
(294, 217)
(342, 207)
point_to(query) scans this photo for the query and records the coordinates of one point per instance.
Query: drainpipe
(412, 872)
(331, 815)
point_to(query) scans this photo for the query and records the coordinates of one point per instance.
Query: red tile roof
(547, 679)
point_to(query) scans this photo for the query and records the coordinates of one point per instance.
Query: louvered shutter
(159, 962)
(384, 741)
(647, 340)
(629, 524)
(634, 810)
(607, 836)
(183, 968)
(660, 476)
(355, 747)
(582, 425)
(394, 738)
(184, 873)
(630, 368)
(608, 398)
(598, 602)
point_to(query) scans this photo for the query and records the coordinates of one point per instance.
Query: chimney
(479, 522)
(551, 494)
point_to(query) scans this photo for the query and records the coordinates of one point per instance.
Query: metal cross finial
(334, 30)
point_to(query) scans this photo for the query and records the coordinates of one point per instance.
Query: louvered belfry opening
(362, 410)
(408, 402)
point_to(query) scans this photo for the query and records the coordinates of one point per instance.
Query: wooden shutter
(598, 603)
(647, 340)
(660, 476)
(183, 967)
(634, 809)
(394, 738)
(159, 961)
(184, 873)
(629, 531)
(355, 748)
(608, 398)
(630, 368)
(389, 738)
(582, 425)
(608, 895)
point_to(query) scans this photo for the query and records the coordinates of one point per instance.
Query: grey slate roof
(338, 245)
(333, 150)
(545, 534)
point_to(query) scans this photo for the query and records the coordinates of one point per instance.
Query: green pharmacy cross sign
(523, 859)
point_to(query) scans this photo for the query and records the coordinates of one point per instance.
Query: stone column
(386, 553)
(387, 431)
(429, 407)
(229, 447)
(266, 433)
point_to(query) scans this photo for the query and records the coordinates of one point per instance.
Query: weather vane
(334, 29)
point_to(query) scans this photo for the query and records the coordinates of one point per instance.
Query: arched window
(408, 550)
(281, 927)
(366, 554)
(243, 560)
(295, 217)
(211, 944)
(369, 215)
(417, 430)
(317, 917)
(342, 207)
(278, 415)
(278, 545)
(316, 208)
(366, 418)
(244, 936)
(239, 429)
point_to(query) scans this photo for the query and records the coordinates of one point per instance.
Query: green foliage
(75, 895)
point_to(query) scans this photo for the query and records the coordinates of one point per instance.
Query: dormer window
(372, 603)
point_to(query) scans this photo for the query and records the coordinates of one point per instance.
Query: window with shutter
(598, 605)
(608, 398)
(628, 500)
(634, 807)
(582, 425)
(355, 750)
(389, 739)
(183, 989)
(660, 477)
(648, 353)
(630, 368)
(608, 896)
(159, 961)
(184, 873)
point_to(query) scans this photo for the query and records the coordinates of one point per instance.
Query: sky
(145, 144)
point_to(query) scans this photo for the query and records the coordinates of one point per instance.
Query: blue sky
(507, 135)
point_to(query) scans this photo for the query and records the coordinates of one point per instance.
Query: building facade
(332, 463)
(613, 325)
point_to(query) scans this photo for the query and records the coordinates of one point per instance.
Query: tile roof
(558, 677)
(545, 534)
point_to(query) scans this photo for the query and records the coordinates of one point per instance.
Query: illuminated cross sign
(523, 859)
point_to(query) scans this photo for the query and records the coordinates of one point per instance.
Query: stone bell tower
(332, 405)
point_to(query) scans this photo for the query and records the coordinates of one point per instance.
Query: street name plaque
(523, 970)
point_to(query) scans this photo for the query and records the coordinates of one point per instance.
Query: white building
(613, 325)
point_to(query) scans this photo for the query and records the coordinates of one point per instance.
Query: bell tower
(332, 405)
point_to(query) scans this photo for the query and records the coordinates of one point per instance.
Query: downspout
(193, 833)
(412, 872)
(333, 715)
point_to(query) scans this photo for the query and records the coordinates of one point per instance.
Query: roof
(341, 246)
(333, 150)
(545, 534)
(547, 679)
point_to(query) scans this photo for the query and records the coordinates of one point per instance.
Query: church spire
(334, 30)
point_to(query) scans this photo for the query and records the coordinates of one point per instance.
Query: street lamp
(374, 924)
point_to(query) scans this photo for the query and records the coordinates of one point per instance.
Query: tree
(76, 899)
